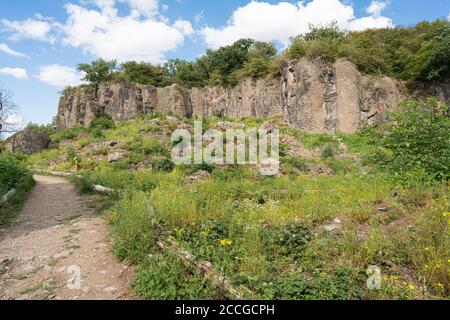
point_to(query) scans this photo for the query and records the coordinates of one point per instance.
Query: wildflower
(411, 287)
(225, 242)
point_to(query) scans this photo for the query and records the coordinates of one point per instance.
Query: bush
(328, 152)
(13, 174)
(415, 141)
(102, 121)
(67, 134)
(162, 164)
(12, 171)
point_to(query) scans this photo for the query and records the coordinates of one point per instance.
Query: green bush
(67, 134)
(12, 171)
(102, 121)
(415, 143)
(13, 174)
(162, 164)
(328, 152)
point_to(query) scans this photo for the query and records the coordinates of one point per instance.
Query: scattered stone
(230, 125)
(269, 167)
(86, 290)
(334, 227)
(118, 155)
(62, 255)
(110, 289)
(198, 176)
(110, 144)
(319, 169)
(155, 122)
(172, 119)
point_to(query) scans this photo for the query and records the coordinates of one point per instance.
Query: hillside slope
(311, 232)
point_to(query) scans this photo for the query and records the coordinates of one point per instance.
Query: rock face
(311, 95)
(28, 142)
(319, 97)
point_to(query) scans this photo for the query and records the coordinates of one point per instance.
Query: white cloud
(448, 16)
(185, 27)
(4, 48)
(279, 22)
(60, 76)
(38, 28)
(376, 7)
(17, 73)
(103, 33)
(146, 8)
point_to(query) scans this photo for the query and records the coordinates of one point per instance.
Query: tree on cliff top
(98, 71)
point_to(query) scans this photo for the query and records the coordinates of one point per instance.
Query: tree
(438, 65)
(143, 73)
(98, 71)
(7, 109)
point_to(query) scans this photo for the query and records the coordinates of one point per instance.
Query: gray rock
(117, 155)
(311, 95)
(28, 141)
(334, 227)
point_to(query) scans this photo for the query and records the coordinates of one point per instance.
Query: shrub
(102, 121)
(162, 164)
(13, 174)
(328, 152)
(418, 137)
(67, 134)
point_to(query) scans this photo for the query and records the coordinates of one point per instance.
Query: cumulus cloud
(376, 7)
(4, 48)
(279, 22)
(96, 27)
(185, 27)
(146, 8)
(17, 73)
(38, 28)
(60, 76)
(139, 36)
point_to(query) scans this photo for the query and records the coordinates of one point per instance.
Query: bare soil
(59, 249)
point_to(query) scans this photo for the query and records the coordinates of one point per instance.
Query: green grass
(267, 233)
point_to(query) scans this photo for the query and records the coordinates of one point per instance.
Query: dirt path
(59, 248)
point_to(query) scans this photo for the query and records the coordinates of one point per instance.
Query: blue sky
(42, 41)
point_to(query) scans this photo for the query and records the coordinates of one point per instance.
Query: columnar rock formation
(311, 95)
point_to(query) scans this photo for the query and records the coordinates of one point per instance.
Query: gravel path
(59, 248)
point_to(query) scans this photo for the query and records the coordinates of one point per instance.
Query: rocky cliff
(311, 95)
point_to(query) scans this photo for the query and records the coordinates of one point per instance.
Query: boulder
(28, 141)
(117, 155)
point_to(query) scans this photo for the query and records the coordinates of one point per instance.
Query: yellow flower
(225, 242)
(411, 287)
